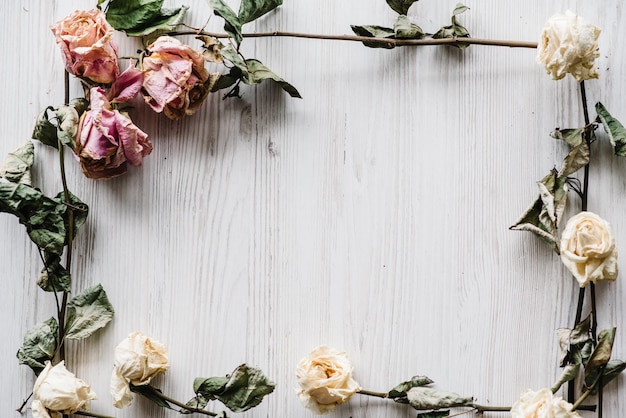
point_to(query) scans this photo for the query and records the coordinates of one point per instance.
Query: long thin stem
(166, 398)
(381, 41)
(70, 232)
(374, 394)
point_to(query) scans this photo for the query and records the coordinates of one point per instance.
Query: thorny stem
(381, 41)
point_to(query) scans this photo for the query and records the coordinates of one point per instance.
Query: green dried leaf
(197, 402)
(427, 398)
(40, 344)
(232, 26)
(250, 10)
(401, 6)
(373, 31)
(243, 389)
(613, 127)
(569, 373)
(16, 167)
(54, 277)
(42, 216)
(455, 30)
(45, 131)
(434, 414)
(577, 158)
(602, 353)
(258, 72)
(80, 212)
(581, 333)
(142, 17)
(612, 369)
(573, 137)
(67, 125)
(88, 312)
(401, 389)
(152, 394)
(404, 29)
(543, 216)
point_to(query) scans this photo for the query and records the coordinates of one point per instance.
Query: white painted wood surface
(370, 216)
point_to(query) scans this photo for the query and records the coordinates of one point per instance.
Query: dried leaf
(613, 127)
(427, 398)
(401, 6)
(88, 312)
(40, 344)
(16, 167)
(401, 389)
(250, 10)
(404, 29)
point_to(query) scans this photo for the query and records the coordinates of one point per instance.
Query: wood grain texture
(371, 216)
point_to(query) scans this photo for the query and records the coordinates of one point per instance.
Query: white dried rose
(57, 391)
(542, 404)
(137, 360)
(325, 379)
(588, 248)
(569, 45)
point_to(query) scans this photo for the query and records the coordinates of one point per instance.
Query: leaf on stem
(455, 30)
(401, 6)
(197, 402)
(434, 414)
(613, 127)
(152, 394)
(143, 17)
(427, 398)
(601, 354)
(400, 390)
(88, 312)
(575, 343)
(42, 216)
(40, 344)
(16, 167)
(578, 156)
(404, 29)
(80, 212)
(374, 31)
(250, 10)
(569, 373)
(544, 214)
(232, 24)
(54, 277)
(45, 131)
(612, 369)
(243, 389)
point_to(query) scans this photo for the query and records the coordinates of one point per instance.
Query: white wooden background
(370, 216)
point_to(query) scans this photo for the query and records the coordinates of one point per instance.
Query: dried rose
(569, 45)
(138, 359)
(175, 80)
(325, 379)
(107, 140)
(57, 391)
(85, 38)
(542, 404)
(588, 248)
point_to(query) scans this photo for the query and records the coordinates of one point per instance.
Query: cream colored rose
(542, 404)
(137, 360)
(57, 391)
(325, 379)
(588, 248)
(569, 45)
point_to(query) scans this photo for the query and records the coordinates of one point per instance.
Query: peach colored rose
(542, 404)
(588, 248)
(107, 140)
(569, 45)
(57, 391)
(85, 39)
(175, 80)
(325, 379)
(138, 359)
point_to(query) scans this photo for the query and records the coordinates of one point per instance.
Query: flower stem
(382, 41)
(372, 393)
(155, 392)
(91, 414)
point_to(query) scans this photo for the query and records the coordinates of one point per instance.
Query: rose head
(569, 45)
(175, 80)
(85, 39)
(588, 248)
(57, 391)
(137, 360)
(107, 140)
(325, 379)
(542, 404)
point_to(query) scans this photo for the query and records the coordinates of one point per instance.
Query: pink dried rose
(175, 80)
(107, 140)
(85, 38)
